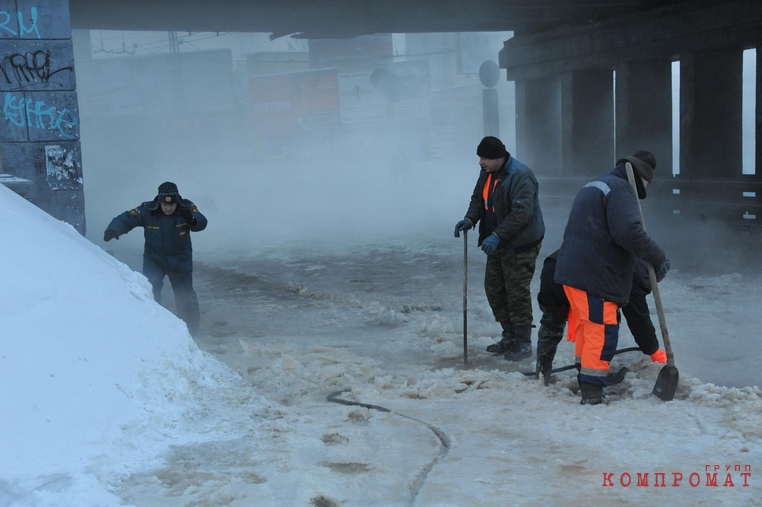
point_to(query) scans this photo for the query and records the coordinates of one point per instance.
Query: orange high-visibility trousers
(594, 325)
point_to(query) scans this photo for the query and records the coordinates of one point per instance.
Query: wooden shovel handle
(652, 276)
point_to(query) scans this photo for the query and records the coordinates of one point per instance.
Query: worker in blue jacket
(603, 237)
(167, 222)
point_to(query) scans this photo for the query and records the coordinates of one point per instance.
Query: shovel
(666, 383)
(465, 298)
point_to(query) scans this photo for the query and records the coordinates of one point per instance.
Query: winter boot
(615, 377)
(506, 342)
(592, 394)
(523, 346)
(547, 343)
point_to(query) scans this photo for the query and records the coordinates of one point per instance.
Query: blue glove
(463, 225)
(661, 271)
(490, 244)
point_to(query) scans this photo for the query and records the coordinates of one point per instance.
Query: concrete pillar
(538, 125)
(644, 111)
(758, 119)
(711, 86)
(82, 44)
(39, 129)
(587, 122)
(490, 112)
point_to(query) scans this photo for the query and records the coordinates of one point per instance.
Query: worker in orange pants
(603, 237)
(594, 327)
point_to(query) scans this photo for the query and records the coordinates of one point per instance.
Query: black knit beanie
(492, 148)
(645, 163)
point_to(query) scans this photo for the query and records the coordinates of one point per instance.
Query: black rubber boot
(506, 342)
(592, 394)
(615, 377)
(551, 333)
(544, 366)
(523, 346)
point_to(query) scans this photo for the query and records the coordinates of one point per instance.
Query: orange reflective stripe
(486, 191)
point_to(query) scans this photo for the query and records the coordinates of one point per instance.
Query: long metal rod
(465, 298)
(652, 277)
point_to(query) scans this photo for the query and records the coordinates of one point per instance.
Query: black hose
(444, 440)
(571, 366)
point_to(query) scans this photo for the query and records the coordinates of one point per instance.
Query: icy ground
(107, 401)
(384, 321)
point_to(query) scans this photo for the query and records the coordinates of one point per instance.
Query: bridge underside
(346, 18)
(572, 122)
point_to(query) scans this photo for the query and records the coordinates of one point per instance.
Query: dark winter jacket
(517, 207)
(168, 241)
(603, 237)
(552, 293)
(636, 312)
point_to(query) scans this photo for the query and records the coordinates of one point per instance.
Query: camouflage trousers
(506, 282)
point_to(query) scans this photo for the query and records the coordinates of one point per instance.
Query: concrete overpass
(346, 18)
(563, 58)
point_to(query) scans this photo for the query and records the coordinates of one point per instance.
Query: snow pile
(98, 380)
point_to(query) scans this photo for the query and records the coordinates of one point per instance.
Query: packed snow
(108, 401)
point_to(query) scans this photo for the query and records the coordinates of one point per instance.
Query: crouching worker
(167, 222)
(555, 310)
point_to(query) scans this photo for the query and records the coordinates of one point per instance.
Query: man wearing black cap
(595, 265)
(167, 222)
(505, 204)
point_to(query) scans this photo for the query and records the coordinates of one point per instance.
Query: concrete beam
(662, 33)
(342, 18)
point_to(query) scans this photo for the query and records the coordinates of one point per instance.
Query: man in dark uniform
(167, 222)
(555, 310)
(506, 205)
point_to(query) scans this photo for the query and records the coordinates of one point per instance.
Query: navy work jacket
(603, 237)
(168, 239)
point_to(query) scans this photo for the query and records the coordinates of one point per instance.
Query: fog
(287, 147)
(328, 170)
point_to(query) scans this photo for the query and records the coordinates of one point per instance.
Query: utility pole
(174, 47)
(489, 74)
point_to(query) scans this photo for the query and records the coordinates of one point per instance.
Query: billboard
(286, 104)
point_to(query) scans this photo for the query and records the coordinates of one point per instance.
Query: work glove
(661, 272)
(110, 234)
(659, 356)
(463, 225)
(186, 215)
(490, 244)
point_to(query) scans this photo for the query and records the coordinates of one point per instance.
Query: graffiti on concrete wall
(37, 114)
(22, 69)
(24, 27)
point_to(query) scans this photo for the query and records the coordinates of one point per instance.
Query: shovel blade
(666, 383)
